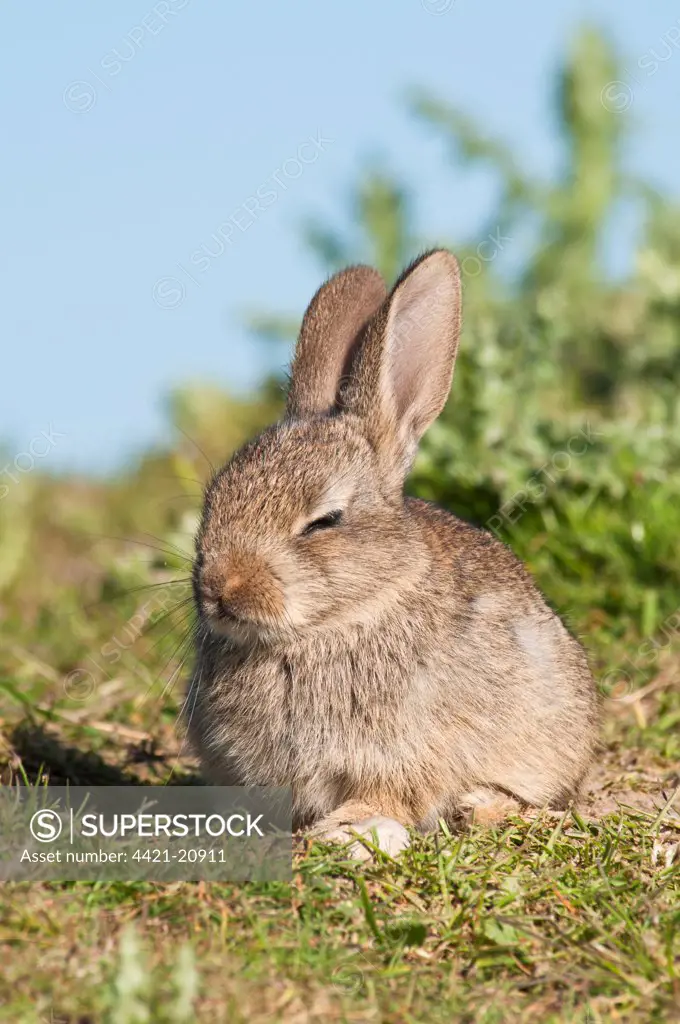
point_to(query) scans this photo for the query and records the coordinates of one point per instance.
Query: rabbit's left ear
(403, 371)
(330, 332)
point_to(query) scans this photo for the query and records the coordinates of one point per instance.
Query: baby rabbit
(391, 663)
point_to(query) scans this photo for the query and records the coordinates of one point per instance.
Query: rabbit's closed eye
(325, 522)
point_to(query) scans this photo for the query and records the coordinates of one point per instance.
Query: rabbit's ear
(402, 374)
(329, 334)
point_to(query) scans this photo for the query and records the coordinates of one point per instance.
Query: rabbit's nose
(231, 584)
(221, 587)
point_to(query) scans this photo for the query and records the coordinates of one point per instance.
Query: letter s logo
(46, 826)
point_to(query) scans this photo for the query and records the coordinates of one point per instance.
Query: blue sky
(133, 131)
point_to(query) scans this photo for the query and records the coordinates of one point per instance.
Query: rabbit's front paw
(385, 833)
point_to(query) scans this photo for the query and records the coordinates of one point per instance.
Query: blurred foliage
(562, 433)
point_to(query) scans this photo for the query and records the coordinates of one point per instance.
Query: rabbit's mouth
(241, 630)
(224, 621)
(218, 611)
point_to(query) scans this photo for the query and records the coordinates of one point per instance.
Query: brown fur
(401, 662)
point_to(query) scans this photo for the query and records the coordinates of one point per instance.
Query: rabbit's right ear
(402, 373)
(330, 331)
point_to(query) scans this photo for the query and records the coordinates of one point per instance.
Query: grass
(556, 918)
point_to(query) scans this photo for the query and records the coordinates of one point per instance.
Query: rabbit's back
(514, 663)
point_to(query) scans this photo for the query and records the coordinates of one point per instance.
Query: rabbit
(389, 662)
